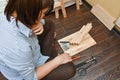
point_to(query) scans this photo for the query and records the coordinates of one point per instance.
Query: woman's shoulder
(4, 23)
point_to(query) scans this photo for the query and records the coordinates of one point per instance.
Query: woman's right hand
(37, 29)
(63, 58)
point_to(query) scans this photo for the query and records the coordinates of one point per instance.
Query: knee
(49, 21)
(71, 69)
(49, 25)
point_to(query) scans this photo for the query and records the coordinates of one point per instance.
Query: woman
(21, 57)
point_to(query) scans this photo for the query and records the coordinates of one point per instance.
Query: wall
(111, 6)
(2, 5)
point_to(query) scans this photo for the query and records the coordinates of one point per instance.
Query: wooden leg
(63, 9)
(77, 5)
(56, 13)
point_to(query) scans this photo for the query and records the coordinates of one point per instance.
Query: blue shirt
(19, 51)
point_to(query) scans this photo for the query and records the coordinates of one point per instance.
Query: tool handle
(76, 57)
(81, 64)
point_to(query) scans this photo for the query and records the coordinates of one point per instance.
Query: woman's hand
(63, 58)
(37, 29)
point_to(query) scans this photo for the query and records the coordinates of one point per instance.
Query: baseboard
(117, 29)
(103, 16)
(86, 4)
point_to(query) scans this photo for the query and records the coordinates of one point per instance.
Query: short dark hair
(27, 10)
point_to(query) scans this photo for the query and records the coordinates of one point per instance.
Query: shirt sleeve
(21, 60)
(39, 58)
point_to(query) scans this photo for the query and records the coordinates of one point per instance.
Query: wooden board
(81, 34)
(87, 42)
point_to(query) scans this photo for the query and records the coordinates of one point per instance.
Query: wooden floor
(106, 51)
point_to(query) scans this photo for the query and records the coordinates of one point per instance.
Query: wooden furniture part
(57, 4)
(60, 3)
(81, 38)
(81, 34)
(77, 4)
(87, 42)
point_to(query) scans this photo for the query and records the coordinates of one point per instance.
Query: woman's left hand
(37, 29)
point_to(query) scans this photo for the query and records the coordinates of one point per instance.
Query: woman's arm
(45, 69)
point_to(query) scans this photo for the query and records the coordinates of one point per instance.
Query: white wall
(111, 6)
(2, 5)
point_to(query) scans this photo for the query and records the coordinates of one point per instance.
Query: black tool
(83, 70)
